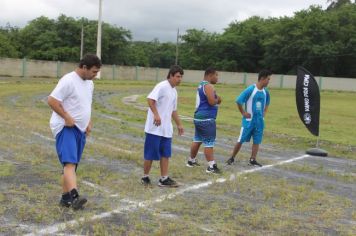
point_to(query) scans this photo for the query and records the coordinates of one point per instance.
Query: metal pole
(177, 44)
(82, 42)
(58, 69)
(98, 41)
(24, 67)
(281, 81)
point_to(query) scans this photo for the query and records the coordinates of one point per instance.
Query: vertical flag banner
(308, 100)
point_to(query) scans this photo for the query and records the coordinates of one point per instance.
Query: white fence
(36, 68)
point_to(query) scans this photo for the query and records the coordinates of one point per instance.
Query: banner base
(317, 152)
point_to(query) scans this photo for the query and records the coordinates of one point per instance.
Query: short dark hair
(175, 69)
(263, 74)
(209, 71)
(90, 60)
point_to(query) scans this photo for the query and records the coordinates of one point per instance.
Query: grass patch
(6, 169)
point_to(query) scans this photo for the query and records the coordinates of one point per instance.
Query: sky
(154, 19)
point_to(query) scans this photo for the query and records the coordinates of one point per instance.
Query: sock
(67, 197)
(74, 193)
(192, 159)
(163, 178)
(144, 176)
(211, 163)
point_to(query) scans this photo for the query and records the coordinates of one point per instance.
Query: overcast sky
(149, 19)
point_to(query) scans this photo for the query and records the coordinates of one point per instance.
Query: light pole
(177, 44)
(82, 42)
(98, 41)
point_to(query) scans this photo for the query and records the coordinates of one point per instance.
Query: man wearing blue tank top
(204, 121)
(256, 100)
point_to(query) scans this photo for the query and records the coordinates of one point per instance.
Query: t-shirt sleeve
(243, 97)
(155, 93)
(62, 90)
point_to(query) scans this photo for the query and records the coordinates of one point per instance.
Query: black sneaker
(167, 183)
(214, 169)
(253, 162)
(79, 202)
(192, 164)
(230, 161)
(146, 181)
(64, 203)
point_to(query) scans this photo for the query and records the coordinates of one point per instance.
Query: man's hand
(180, 130)
(69, 121)
(157, 120)
(88, 129)
(219, 99)
(246, 114)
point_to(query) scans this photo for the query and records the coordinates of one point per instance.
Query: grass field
(294, 194)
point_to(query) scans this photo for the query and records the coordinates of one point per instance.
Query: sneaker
(146, 181)
(79, 202)
(213, 170)
(167, 183)
(230, 161)
(192, 164)
(64, 203)
(253, 162)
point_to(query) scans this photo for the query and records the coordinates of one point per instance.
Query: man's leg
(165, 180)
(254, 154)
(194, 148)
(236, 150)
(209, 153)
(147, 164)
(164, 166)
(254, 151)
(69, 177)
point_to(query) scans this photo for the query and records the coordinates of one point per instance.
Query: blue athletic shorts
(251, 129)
(205, 132)
(157, 147)
(70, 144)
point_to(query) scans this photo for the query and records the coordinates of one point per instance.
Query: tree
(335, 4)
(9, 42)
(198, 49)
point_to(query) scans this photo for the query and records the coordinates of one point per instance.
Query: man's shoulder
(68, 77)
(249, 88)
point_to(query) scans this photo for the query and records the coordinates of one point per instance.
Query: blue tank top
(204, 110)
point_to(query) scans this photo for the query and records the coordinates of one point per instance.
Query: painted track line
(89, 141)
(136, 205)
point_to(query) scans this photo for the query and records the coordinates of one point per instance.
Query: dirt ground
(293, 194)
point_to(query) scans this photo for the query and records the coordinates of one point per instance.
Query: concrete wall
(36, 68)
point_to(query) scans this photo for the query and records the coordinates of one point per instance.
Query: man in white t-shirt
(70, 123)
(162, 103)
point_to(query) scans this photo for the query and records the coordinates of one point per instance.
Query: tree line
(323, 41)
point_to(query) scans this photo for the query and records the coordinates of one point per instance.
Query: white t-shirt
(76, 96)
(166, 102)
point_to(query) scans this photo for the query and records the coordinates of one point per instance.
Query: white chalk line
(132, 101)
(89, 141)
(98, 187)
(135, 205)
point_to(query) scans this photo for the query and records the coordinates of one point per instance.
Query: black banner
(308, 100)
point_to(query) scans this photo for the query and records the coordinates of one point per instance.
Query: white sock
(144, 176)
(211, 163)
(192, 159)
(163, 178)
